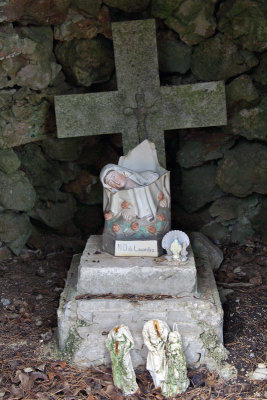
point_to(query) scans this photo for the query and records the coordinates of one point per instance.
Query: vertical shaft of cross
(137, 76)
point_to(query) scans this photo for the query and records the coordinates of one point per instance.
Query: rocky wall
(52, 47)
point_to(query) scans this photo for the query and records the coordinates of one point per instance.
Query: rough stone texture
(15, 230)
(201, 145)
(90, 7)
(81, 323)
(250, 122)
(241, 93)
(47, 176)
(63, 149)
(24, 116)
(128, 5)
(5, 253)
(193, 20)
(79, 26)
(9, 161)
(188, 222)
(26, 57)
(100, 273)
(140, 109)
(216, 232)
(55, 215)
(199, 187)
(174, 55)
(206, 251)
(219, 58)
(245, 22)
(16, 192)
(260, 73)
(244, 170)
(39, 12)
(227, 209)
(259, 222)
(242, 231)
(84, 189)
(86, 61)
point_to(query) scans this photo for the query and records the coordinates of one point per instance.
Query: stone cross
(140, 108)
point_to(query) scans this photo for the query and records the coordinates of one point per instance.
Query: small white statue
(177, 381)
(119, 343)
(155, 334)
(176, 243)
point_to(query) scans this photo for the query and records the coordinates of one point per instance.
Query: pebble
(260, 373)
(28, 369)
(5, 302)
(39, 297)
(38, 323)
(237, 270)
(252, 355)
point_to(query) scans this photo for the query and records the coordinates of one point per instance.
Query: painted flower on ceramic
(152, 229)
(116, 227)
(160, 196)
(108, 215)
(125, 204)
(134, 226)
(160, 217)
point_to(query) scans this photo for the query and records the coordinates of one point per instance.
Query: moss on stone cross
(140, 108)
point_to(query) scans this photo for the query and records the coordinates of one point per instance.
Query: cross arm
(193, 106)
(88, 114)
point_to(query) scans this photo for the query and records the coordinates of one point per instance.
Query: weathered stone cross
(140, 108)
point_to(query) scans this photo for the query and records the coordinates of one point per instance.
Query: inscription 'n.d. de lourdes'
(140, 108)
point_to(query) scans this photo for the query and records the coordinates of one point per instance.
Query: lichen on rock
(26, 57)
(192, 19)
(219, 58)
(250, 122)
(244, 170)
(15, 230)
(216, 354)
(16, 192)
(86, 61)
(80, 26)
(245, 22)
(241, 93)
(199, 187)
(24, 117)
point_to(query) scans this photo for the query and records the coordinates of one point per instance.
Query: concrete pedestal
(84, 322)
(102, 273)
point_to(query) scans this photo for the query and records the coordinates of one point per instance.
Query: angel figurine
(155, 334)
(119, 343)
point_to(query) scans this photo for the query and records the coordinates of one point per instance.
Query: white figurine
(155, 334)
(177, 381)
(136, 200)
(119, 343)
(176, 243)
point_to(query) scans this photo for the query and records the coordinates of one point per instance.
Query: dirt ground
(30, 288)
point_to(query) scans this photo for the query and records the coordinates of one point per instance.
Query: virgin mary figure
(136, 197)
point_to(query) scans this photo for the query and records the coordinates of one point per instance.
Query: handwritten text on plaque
(145, 248)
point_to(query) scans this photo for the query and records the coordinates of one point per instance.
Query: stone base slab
(102, 273)
(83, 324)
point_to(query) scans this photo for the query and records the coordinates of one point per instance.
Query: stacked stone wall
(48, 48)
